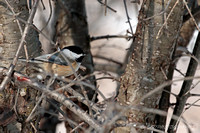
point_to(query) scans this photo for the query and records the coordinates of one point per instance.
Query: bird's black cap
(80, 59)
(74, 49)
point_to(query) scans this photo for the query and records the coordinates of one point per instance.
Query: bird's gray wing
(52, 58)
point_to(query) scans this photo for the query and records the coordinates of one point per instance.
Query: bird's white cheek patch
(40, 70)
(56, 75)
(22, 92)
(39, 77)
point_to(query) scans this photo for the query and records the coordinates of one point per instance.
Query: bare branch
(185, 89)
(170, 13)
(191, 15)
(39, 31)
(79, 97)
(160, 87)
(94, 38)
(160, 12)
(107, 6)
(26, 30)
(57, 96)
(128, 18)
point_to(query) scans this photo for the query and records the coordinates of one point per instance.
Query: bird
(59, 63)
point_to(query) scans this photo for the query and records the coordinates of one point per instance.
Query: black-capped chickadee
(56, 63)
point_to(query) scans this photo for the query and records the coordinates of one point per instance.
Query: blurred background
(110, 23)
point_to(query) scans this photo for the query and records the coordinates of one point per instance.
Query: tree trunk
(153, 48)
(72, 29)
(10, 35)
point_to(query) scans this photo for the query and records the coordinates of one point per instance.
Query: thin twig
(160, 12)
(26, 30)
(34, 27)
(66, 102)
(180, 116)
(20, 27)
(39, 31)
(58, 97)
(195, 13)
(85, 84)
(64, 118)
(79, 96)
(196, 105)
(160, 87)
(182, 74)
(194, 95)
(107, 6)
(14, 14)
(16, 99)
(35, 130)
(128, 18)
(130, 50)
(35, 107)
(192, 87)
(185, 3)
(170, 13)
(184, 93)
(192, 104)
(79, 125)
(157, 111)
(94, 38)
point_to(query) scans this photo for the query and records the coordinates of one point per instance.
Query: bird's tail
(30, 61)
(23, 60)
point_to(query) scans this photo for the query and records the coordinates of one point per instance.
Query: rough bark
(150, 59)
(186, 33)
(10, 36)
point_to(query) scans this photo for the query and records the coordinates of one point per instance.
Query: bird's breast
(62, 70)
